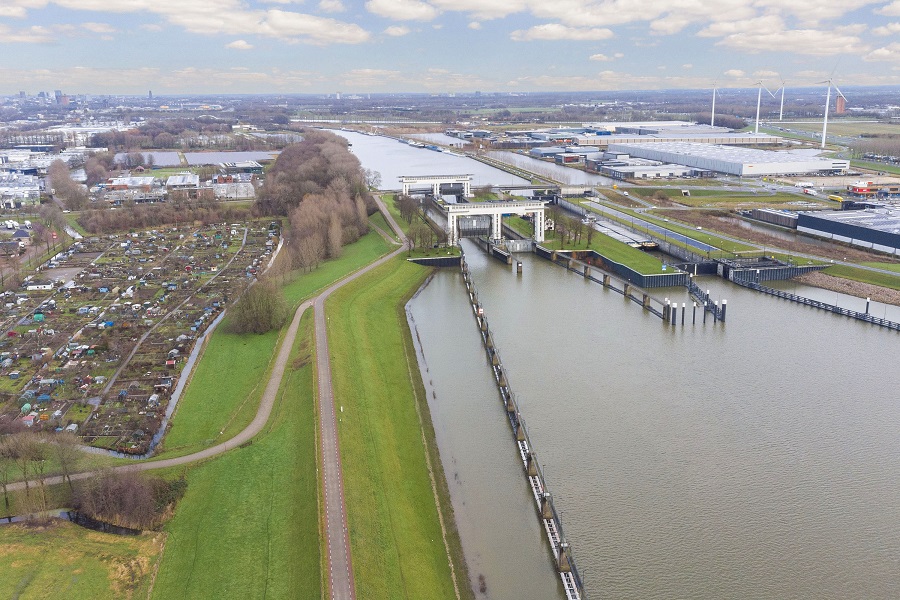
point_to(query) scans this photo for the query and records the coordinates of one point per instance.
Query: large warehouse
(876, 228)
(744, 162)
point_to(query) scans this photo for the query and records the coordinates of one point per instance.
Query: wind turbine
(781, 110)
(830, 83)
(759, 84)
(712, 119)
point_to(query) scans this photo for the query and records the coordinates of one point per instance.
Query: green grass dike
(215, 407)
(248, 526)
(63, 560)
(387, 445)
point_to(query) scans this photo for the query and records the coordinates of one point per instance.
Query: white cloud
(484, 10)
(734, 73)
(812, 42)
(99, 27)
(402, 10)
(687, 66)
(765, 73)
(888, 29)
(332, 6)
(600, 58)
(890, 10)
(151, 27)
(557, 31)
(722, 28)
(16, 12)
(396, 30)
(891, 52)
(474, 25)
(232, 17)
(811, 12)
(239, 45)
(369, 78)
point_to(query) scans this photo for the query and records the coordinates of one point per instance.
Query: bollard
(724, 306)
(646, 301)
(553, 256)
(674, 312)
(867, 304)
(694, 318)
(546, 507)
(704, 314)
(605, 280)
(519, 267)
(587, 271)
(627, 292)
(570, 264)
(716, 311)
(683, 307)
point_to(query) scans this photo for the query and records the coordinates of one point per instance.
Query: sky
(441, 46)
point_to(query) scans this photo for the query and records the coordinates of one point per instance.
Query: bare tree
(334, 237)
(7, 467)
(261, 309)
(68, 455)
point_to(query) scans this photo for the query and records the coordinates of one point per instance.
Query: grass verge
(248, 526)
(864, 276)
(395, 532)
(63, 560)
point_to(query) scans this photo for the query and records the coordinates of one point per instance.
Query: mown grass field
(355, 256)
(395, 536)
(615, 250)
(224, 393)
(63, 560)
(248, 526)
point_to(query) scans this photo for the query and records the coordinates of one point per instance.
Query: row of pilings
(547, 513)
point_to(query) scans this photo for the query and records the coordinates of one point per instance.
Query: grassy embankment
(248, 526)
(612, 249)
(215, 408)
(64, 560)
(387, 444)
(864, 276)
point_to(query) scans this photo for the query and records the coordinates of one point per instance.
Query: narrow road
(340, 566)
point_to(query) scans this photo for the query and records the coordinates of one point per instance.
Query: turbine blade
(840, 92)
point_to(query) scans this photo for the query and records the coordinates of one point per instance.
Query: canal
(755, 459)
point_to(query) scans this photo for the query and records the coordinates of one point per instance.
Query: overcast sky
(326, 46)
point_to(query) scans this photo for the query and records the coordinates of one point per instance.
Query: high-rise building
(58, 95)
(150, 95)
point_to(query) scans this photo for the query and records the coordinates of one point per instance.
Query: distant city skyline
(441, 46)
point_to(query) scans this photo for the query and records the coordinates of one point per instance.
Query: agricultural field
(846, 127)
(63, 560)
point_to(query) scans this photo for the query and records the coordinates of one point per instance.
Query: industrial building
(743, 162)
(875, 228)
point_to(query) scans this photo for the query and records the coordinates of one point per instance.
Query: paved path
(340, 566)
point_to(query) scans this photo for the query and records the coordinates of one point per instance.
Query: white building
(744, 162)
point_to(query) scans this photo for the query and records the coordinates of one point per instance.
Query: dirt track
(852, 288)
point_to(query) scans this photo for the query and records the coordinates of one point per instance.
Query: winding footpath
(340, 568)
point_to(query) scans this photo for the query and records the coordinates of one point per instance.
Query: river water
(755, 459)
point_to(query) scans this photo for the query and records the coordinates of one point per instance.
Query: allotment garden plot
(96, 340)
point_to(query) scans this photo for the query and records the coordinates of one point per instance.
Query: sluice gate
(547, 513)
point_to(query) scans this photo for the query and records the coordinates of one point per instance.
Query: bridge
(495, 210)
(435, 181)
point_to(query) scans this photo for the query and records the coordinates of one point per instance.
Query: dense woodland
(321, 187)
